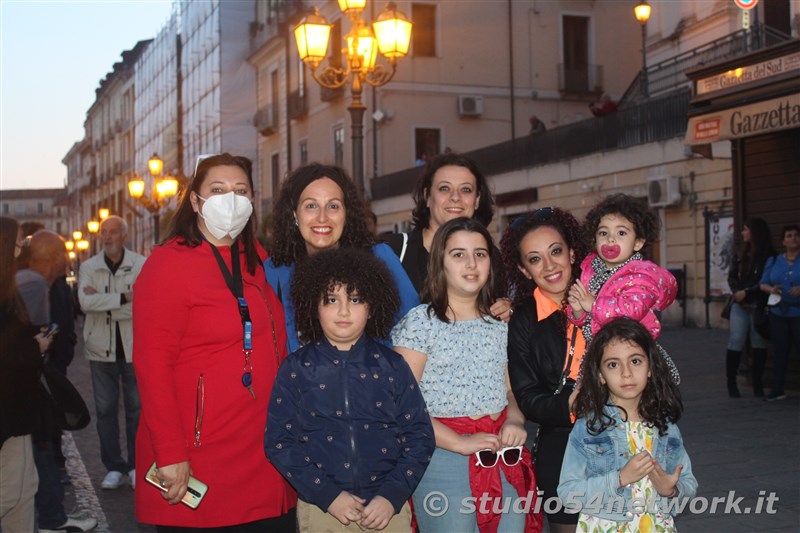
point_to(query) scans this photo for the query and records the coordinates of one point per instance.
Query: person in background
(204, 387)
(48, 261)
(604, 107)
(345, 304)
(451, 186)
(781, 280)
(743, 278)
(105, 292)
(542, 251)
(21, 405)
(537, 126)
(62, 313)
(319, 209)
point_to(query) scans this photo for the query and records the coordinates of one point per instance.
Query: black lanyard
(234, 282)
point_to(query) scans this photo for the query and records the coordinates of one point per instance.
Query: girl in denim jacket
(625, 464)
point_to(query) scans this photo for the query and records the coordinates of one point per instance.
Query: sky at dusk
(53, 55)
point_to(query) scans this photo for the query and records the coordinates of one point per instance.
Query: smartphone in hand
(194, 493)
(52, 330)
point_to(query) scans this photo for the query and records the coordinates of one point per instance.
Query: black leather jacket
(747, 281)
(537, 352)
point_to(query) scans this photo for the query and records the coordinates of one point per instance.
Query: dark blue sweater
(350, 421)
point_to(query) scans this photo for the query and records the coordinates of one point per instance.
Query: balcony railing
(297, 104)
(274, 19)
(327, 95)
(669, 74)
(581, 80)
(265, 121)
(658, 119)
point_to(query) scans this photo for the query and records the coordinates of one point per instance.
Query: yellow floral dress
(640, 438)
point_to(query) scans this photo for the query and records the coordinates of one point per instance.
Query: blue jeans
(742, 325)
(448, 476)
(50, 495)
(785, 331)
(106, 378)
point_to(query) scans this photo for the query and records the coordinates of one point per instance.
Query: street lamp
(389, 35)
(93, 226)
(103, 213)
(642, 13)
(164, 188)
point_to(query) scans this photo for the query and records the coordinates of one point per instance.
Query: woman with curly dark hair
(541, 252)
(451, 186)
(352, 386)
(625, 446)
(743, 278)
(319, 209)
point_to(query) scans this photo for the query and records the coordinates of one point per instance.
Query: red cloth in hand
(487, 480)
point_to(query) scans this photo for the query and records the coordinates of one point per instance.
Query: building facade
(46, 206)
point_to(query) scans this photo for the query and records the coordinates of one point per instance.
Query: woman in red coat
(209, 336)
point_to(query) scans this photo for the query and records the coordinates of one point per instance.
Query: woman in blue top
(320, 209)
(781, 279)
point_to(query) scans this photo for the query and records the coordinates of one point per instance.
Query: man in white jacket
(105, 292)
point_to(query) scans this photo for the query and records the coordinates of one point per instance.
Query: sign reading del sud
(763, 117)
(748, 74)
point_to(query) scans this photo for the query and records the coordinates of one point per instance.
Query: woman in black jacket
(542, 251)
(743, 278)
(451, 186)
(21, 346)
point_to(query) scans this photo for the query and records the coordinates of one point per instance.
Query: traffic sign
(746, 4)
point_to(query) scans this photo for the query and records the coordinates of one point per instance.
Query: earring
(296, 223)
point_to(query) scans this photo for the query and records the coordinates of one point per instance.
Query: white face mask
(226, 214)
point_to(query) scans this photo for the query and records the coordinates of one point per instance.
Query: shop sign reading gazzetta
(763, 117)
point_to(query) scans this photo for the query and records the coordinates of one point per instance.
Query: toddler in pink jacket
(616, 280)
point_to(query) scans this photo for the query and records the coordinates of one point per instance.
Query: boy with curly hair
(347, 425)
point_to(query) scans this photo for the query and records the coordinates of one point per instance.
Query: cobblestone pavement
(745, 446)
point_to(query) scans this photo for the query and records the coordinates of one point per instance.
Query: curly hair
(645, 222)
(661, 400)
(561, 221)
(421, 214)
(288, 244)
(184, 223)
(435, 291)
(359, 271)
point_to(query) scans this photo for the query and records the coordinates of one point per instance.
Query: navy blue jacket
(350, 421)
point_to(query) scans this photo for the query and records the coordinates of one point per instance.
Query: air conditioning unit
(663, 191)
(264, 121)
(470, 106)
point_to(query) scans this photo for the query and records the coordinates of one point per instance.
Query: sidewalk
(744, 445)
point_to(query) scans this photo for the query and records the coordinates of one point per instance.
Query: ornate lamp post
(642, 13)
(164, 188)
(389, 35)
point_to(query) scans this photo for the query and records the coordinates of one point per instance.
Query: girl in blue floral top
(625, 459)
(457, 351)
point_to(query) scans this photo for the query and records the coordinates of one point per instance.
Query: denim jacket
(592, 464)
